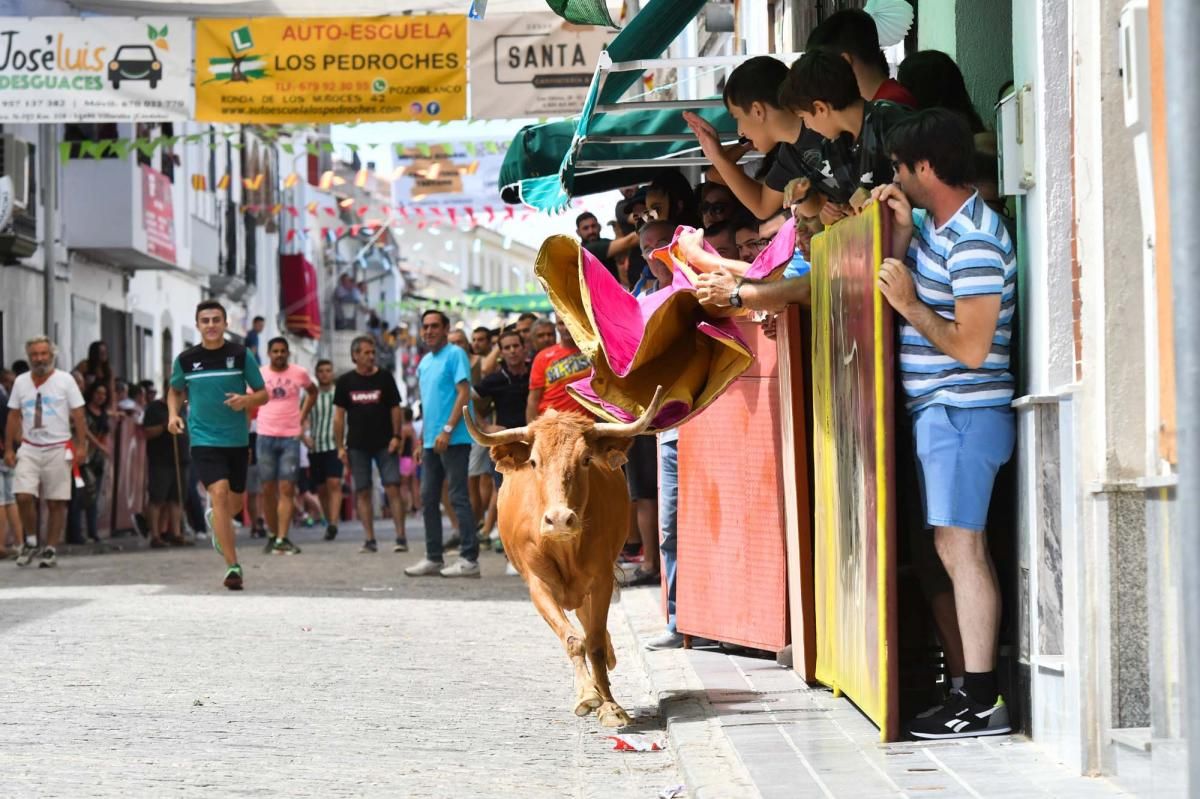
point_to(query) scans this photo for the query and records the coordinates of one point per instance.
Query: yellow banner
(276, 70)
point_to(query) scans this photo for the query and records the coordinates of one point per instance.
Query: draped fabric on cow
(665, 338)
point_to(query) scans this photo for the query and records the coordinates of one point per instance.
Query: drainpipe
(47, 154)
(1181, 30)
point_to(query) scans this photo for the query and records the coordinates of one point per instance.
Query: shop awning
(538, 172)
(550, 163)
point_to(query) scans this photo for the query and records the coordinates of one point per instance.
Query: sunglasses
(760, 243)
(714, 208)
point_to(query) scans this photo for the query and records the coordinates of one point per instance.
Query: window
(79, 132)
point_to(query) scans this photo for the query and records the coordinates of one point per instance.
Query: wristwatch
(447, 429)
(735, 298)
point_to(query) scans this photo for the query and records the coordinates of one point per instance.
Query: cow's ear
(611, 450)
(510, 457)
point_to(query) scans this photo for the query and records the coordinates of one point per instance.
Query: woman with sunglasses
(717, 204)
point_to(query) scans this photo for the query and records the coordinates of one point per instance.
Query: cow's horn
(637, 426)
(492, 439)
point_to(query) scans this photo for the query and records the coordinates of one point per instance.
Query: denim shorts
(959, 451)
(278, 458)
(360, 467)
(6, 486)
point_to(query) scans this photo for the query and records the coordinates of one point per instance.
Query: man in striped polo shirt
(322, 450)
(956, 292)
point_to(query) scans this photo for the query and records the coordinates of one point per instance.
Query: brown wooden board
(795, 358)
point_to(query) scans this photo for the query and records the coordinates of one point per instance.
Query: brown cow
(563, 517)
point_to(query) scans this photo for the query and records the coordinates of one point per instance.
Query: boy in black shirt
(751, 97)
(822, 91)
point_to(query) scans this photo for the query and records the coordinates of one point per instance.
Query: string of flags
(393, 216)
(147, 146)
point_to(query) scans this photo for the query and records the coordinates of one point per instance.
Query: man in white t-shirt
(46, 402)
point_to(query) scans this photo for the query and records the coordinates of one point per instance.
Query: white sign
(98, 69)
(455, 175)
(531, 65)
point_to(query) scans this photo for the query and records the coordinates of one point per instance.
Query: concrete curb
(706, 758)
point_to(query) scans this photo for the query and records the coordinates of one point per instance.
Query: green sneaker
(284, 546)
(270, 546)
(233, 577)
(212, 532)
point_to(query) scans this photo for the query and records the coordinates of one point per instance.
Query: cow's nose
(563, 519)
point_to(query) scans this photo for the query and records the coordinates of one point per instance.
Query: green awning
(540, 168)
(537, 171)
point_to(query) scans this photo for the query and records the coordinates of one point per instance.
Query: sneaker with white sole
(668, 640)
(47, 559)
(511, 570)
(28, 553)
(461, 568)
(962, 717)
(425, 568)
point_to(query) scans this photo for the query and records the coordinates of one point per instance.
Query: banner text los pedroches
(331, 69)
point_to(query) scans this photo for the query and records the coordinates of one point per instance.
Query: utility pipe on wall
(1181, 31)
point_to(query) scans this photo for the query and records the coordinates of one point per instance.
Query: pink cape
(639, 343)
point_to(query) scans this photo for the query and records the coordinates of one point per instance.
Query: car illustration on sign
(135, 62)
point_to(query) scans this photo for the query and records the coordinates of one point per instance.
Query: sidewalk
(774, 736)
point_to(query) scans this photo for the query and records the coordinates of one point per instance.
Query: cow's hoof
(613, 715)
(588, 702)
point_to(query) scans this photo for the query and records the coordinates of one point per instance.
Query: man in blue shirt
(445, 380)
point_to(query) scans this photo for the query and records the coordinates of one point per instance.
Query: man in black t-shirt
(587, 227)
(507, 388)
(168, 457)
(367, 402)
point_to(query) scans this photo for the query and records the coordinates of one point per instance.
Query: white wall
(171, 299)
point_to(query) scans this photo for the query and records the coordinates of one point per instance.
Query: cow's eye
(587, 460)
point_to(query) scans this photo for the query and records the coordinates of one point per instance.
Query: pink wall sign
(158, 214)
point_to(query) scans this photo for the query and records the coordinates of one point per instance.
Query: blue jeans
(278, 459)
(668, 505)
(436, 468)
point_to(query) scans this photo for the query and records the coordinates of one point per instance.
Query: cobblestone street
(136, 674)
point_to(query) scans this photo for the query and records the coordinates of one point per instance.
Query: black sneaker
(369, 546)
(46, 559)
(331, 532)
(270, 545)
(286, 547)
(233, 578)
(401, 545)
(960, 717)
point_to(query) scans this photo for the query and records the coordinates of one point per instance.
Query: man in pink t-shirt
(280, 423)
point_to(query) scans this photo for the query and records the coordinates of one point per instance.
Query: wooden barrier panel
(732, 573)
(123, 490)
(795, 392)
(855, 551)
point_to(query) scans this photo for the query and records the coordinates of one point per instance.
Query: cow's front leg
(594, 615)
(587, 697)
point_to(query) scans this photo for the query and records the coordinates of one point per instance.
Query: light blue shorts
(959, 451)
